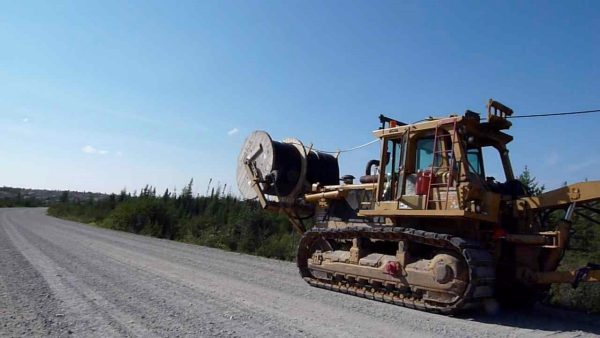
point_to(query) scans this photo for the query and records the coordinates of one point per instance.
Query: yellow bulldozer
(424, 227)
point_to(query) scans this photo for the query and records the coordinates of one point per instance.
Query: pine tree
(64, 197)
(531, 183)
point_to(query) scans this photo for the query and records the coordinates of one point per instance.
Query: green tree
(64, 197)
(531, 182)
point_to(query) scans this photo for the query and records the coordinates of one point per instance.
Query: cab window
(475, 163)
(393, 161)
(424, 153)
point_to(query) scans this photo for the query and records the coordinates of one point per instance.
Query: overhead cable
(349, 149)
(510, 117)
(555, 114)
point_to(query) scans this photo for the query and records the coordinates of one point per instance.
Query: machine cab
(437, 166)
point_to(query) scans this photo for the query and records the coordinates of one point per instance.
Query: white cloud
(91, 150)
(232, 131)
(25, 120)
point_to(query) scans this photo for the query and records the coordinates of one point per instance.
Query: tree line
(217, 220)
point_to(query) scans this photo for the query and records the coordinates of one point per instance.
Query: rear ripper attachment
(425, 227)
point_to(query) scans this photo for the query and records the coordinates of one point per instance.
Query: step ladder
(443, 160)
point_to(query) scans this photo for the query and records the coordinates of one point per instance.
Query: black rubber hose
(370, 164)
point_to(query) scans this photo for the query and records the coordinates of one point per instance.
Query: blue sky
(112, 94)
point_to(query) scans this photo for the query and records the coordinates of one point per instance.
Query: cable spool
(322, 168)
(284, 169)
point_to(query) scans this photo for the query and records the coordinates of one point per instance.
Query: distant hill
(43, 197)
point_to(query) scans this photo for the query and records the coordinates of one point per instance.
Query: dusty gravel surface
(61, 278)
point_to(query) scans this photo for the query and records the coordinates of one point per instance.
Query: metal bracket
(264, 203)
(583, 273)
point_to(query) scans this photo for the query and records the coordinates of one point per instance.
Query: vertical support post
(402, 256)
(564, 228)
(356, 252)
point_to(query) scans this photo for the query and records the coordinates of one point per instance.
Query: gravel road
(61, 278)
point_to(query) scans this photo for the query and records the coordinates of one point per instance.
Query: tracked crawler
(424, 227)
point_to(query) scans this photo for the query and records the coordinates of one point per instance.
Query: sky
(101, 96)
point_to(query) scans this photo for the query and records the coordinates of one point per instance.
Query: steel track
(479, 261)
